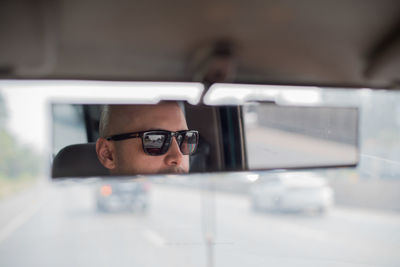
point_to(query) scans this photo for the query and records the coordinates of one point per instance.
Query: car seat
(79, 160)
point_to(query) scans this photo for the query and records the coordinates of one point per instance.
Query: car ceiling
(352, 43)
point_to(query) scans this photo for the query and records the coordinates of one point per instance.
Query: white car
(291, 192)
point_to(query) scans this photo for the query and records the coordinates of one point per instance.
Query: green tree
(16, 160)
(3, 113)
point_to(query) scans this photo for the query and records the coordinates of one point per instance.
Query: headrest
(78, 160)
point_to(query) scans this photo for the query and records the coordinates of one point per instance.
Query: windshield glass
(320, 217)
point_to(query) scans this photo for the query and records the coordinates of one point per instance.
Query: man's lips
(173, 170)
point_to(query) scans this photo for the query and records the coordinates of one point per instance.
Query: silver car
(291, 192)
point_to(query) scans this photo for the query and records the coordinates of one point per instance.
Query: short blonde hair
(104, 120)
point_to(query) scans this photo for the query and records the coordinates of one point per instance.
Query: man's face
(128, 155)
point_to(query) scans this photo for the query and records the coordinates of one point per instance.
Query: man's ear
(105, 153)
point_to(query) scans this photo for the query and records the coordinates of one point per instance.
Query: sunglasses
(157, 142)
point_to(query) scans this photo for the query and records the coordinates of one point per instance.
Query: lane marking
(19, 220)
(380, 158)
(154, 238)
(304, 231)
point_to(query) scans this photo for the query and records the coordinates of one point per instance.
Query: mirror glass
(292, 137)
(256, 136)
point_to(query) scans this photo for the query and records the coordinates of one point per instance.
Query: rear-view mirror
(234, 127)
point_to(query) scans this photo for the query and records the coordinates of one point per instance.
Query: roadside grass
(11, 186)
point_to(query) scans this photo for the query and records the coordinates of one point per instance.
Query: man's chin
(173, 170)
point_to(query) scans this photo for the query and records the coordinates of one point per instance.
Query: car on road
(291, 192)
(115, 196)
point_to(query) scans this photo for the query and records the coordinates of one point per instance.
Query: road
(272, 148)
(58, 225)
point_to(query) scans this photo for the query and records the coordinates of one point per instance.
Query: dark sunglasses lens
(189, 143)
(153, 143)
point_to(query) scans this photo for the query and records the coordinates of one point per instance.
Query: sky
(28, 113)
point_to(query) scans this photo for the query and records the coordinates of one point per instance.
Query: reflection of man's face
(127, 156)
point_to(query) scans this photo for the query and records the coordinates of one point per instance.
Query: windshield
(320, 217)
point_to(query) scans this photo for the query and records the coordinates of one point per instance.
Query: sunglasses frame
(169, 135)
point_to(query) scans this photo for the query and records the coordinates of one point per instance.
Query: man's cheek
(152, 164)
(186, 163)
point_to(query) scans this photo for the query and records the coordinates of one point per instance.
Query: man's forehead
(133, 111)
(146, 117)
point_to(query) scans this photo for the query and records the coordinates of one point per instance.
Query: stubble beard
(173, 170)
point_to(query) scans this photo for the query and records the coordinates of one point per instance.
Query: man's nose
(174, 155)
